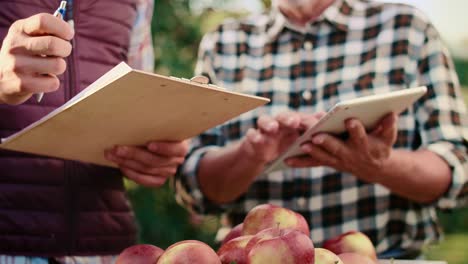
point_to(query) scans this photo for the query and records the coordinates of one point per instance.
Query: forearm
(421, 176)
(227, 173)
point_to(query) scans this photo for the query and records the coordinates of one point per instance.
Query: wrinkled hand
(31, 57)
(274, 135)
(362, 154)
(151, 165)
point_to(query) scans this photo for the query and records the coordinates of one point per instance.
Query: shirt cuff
(188, 185)
(455, 196)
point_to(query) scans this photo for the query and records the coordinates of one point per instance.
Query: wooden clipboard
(129, 107)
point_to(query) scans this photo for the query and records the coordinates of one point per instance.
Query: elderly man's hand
(362, 154)
(274, 135)
(150, 165)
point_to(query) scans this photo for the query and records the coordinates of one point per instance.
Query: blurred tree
(177, 33)
(163, 222)
(462, 70)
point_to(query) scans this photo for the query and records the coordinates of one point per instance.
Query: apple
(236, 231)
(325, 256)
(355, 258)
(234, 251)
(262, 235)
(140, 254)
(267, 216)
(287, 246)
(189, 252)
(352, 241)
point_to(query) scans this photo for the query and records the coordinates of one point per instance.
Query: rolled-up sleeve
(443, 117)
(456, 195)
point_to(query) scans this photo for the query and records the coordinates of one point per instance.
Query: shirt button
(301, 202)
(308, 45)
(307, 95)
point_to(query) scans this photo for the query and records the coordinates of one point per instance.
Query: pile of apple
(269, 234)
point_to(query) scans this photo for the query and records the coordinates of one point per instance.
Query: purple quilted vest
(54, 207)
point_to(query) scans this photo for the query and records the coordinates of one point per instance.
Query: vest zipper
(70, 168)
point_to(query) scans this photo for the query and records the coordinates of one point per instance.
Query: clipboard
(129, 107)
(368, 109)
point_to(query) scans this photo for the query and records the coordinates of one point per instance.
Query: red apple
(262, 235)
(140, 254)
(352, 241)
(355, 258)
(267, 216)
(235, 232)
(325, 256)
(233, 251)
(289, 246)
(189, 252)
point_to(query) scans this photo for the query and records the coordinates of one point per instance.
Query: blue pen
(60, 13)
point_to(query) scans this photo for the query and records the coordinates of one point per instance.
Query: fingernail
(108, 156)
(318, 140)
(121, 151)
(306, 148)
(271, 126)
(153, 146)
(257, 138)
(290, 121)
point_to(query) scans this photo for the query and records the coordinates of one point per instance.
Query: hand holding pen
(32, 56)
(59, 13)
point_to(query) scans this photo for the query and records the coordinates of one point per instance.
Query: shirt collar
(337, 14)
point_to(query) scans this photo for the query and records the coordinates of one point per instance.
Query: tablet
(369, 110)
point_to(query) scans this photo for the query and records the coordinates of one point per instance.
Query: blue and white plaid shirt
(355, 48)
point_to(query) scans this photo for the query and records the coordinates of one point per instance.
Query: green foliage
(163, 222)
(177, 33)
(455, 221)
(462, 70)
(453, 249)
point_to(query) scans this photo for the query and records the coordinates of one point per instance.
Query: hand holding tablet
(369, 110)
